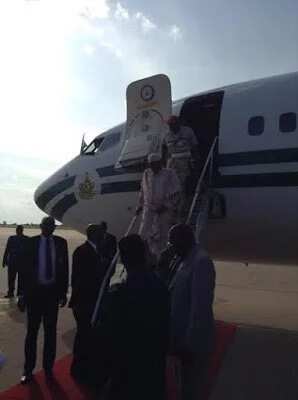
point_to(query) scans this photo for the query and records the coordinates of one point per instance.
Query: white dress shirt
(42, 277)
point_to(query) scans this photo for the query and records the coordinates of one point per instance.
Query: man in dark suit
(13, 259)
(88, 271)
(45, 284)
(133, 330)
(107, 243)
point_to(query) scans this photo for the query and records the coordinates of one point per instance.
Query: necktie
(49, 265)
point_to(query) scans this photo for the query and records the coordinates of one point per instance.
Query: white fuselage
(256, 171)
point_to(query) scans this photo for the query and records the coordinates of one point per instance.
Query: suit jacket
(192, 294)
(87, 274)
(29, 274)
(108, 247)
(14, 251)
(135, 329)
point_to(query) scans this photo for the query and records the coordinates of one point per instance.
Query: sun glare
(35, 75)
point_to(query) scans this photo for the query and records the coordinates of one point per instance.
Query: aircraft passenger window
(256, 126)
(110, 141)
(287, 122)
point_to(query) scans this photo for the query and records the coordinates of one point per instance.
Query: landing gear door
(149, 105)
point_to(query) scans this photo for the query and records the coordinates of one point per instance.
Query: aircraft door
(149, 105)
(202, 114)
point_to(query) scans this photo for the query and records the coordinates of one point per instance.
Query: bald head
(182, 238)
(19, 230)
(91, 230)
(133, 252)
(47, 226)
(93, 233)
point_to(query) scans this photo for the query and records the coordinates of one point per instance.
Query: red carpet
(64, 388)
(224, 337)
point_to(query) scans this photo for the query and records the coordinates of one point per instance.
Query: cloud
(120, 36)
(114, 49)
(146, 24)
(121, 13)
(92, 9)
(175, 32)
(89, 49)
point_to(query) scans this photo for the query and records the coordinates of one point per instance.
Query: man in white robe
(158, 201)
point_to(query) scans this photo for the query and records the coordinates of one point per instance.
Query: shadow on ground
(15, 314)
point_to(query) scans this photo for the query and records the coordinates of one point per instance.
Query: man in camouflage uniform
(181, 147)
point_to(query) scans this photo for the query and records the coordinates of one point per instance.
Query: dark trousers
(83, 343)
(134, 377)
(12, 271)
(193, 376)
(42, 307)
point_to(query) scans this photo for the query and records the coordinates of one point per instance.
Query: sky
(65, 66)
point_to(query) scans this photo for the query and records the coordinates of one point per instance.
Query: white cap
(154, 157)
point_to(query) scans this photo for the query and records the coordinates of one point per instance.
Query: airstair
(197, 218)
(198, 213)
(149, 104)
(106, 280)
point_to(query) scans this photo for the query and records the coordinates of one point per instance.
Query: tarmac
(261, 299)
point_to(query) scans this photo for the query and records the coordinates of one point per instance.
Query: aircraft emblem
(87, 188)
(147, 92)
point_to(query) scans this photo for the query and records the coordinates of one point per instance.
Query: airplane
(254, 172)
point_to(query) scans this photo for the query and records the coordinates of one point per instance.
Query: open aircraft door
(149, 105)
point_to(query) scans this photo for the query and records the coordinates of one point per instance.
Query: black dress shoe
(9, 296)
(26, 379)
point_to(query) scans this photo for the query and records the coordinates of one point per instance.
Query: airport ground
(261, 300)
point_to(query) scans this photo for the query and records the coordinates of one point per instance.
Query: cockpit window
(110, 141)
(102, 143)
(93, 146)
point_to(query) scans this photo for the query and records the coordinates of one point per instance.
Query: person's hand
(138, 210)
(161, 210)
(63, 301)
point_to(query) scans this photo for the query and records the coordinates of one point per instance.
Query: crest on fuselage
(87, 188)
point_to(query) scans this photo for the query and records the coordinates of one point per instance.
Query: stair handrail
(108, 275)
(209, 160)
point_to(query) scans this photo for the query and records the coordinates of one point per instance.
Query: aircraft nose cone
(51, 190)
(40, 195)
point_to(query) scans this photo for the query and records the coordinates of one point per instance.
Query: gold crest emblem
(87, 188)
